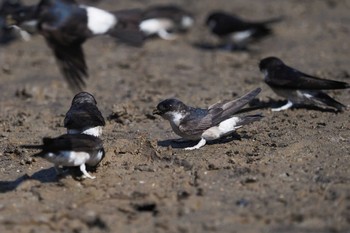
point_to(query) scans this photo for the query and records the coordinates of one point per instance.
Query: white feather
(68, 158)
(153, 26)
(99, 21)
(241, 36)
(186, 21)
(95, 131)
(224, 128)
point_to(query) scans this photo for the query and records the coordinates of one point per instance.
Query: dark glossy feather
(289, 78)
(79, 117)
(68, 142)
(202, 119)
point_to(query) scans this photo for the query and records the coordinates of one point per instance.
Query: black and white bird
(165, 21)
(8, 8)
(206, 124)
(67, 25)
(71, 150)
(234, 32)
(298, 87)
(83, 117)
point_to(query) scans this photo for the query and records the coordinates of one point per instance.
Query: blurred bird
(7, 8)
(83, 117)
(71, 150)
(165, 21)
(236, 33)
(298, 87)
(206, 124)
(67, 25)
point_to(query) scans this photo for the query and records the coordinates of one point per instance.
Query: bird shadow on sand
(48, 175)
(256, 104)
(44, 176)
(182, 144)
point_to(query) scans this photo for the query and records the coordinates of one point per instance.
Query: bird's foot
(199, 145)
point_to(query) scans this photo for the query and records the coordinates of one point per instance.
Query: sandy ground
(287, 173)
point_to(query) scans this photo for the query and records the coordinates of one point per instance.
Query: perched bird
(298, 87)
(165, 21)
(236, 33)
(71, 150)
(83, 117)
(67, 25)
(206, 124)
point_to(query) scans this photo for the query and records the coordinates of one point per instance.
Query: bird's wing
(78, 118)
(76, 142)
(71, 61)
(202, 119)
(196, 123)
(289, 78)
(222, 111)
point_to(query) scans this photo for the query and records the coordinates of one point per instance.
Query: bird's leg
(288, 105)
(164, 34)
(199, 145)
(86, 174)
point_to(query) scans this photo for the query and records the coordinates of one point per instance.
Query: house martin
(83, 117)
(206, 124)
(236, 33)
(71, 150)
(66, 26)
(165, 21)
(298, 87)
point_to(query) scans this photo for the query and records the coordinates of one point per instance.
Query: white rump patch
(224, 128)
(186, 21)
(241, 36)
(229, 125)
(95, 131)
(153, 26)
(68, 158)
(99, 21)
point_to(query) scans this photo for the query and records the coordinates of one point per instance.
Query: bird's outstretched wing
(71, 61)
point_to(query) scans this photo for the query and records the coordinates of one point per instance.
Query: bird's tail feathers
(250, 118)
(329, 101)
(128, 33)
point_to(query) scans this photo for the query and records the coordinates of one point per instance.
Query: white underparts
(241, 36)
(99, 21)
(68, 158)
(159, 27)
(224, 128)
(95, 131)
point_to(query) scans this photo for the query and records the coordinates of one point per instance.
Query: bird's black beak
(156, 112)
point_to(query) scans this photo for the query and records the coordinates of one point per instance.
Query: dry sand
(287, 173)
